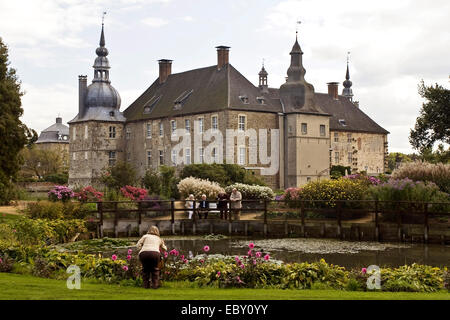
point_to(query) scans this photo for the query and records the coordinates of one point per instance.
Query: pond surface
(343, 253)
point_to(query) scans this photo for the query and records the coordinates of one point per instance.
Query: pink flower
(14, 230)
(128, 257)
(201, 261)
(182, 257)
(237, 259)
(166, 254)
(266, 257)
(1, 261)
(258, 254)
(185, 261)
(364, 270)
(249, 253)
(254, 261)
(206, 248)
(130, 251)
(114, 257)
(242, 266)
(218, 274)
(251, 245)
(125, 268)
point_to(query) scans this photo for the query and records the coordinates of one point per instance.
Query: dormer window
(150, 104)
(342, 122)
(261, 100)
(244, 99)
(178, 103)
(111, 113)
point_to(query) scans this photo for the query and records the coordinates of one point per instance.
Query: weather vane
(296, 26)
(103, 17)
(263, 62)
(348, 57)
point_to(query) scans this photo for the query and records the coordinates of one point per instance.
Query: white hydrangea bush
(250, 192)
(197, 187)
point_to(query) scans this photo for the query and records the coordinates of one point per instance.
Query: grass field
(15, 286)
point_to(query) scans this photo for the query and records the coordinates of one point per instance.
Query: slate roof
(53, 134)
(208, 90)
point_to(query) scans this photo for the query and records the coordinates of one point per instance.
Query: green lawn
(15, 286)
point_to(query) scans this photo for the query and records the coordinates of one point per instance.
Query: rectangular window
(74, 157)
(173, 126)
(187, 156)
(128, 133)
(85, 132)
(214, 123)
(336, 137)
(74, 134)
(149, 158)
(304, 128)
(187, 125)
(85, 155)
(214, 155)
(349, 137)
(161, 157)
(336, 157)
(242, 159)
(201, 153)
(200, 125)
(242, 123)
(112, 158)
(149, 130)
(350, 157)
(112, 132)
(322, 130)
(161, 129)
(174, 157)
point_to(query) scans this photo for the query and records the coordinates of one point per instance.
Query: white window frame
(149, 130)
(161, 157)
(324, 133)
(112, 132)
(349, 138)
(86, 130)
(336, 137)
(214, 155)
(187, 125)
(173, 127)
(174, 157)
(201, 154)
(242, 158)
(201, 124)
(240, 124)
(187, 156)
(215, 126)
(161, 129)
(336, 157)
(112, 158)
(304, 126)
(149, 157)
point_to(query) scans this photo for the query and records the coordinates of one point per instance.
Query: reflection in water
(342, 253)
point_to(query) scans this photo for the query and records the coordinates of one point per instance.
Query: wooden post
(194, 217)
(172, 215)
(230, 231)
(116, 220)
(377, 230)
(265, 217)
(425, 229)
(100, 211)
(139, 217)
(339, 209)
(302, 215)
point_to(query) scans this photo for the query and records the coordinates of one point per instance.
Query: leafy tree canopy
(433, 124)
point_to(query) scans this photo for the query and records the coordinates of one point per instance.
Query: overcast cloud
(393, 45)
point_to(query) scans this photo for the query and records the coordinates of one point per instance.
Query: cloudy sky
(393, 45)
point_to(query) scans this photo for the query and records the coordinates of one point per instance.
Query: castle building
(56, 138)
(288, 135)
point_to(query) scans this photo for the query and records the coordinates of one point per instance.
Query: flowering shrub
(58, 210)
(428, 172)
(62, 193)
(89, 193)
(197, 187)
(250, 192)
(369, 180)
(133, 193)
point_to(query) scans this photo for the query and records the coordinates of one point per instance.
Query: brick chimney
(222, 56)
(333, 90)
(165, 69)
(82, 88)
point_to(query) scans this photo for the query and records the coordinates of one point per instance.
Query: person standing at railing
(203, 206)
(222, 205)
(150, 256)
(190, 205)
(236, 203)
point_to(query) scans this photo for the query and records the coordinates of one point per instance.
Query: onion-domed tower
(96, 133)
(347, 91)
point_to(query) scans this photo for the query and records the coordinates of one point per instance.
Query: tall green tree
(433, 124)
(14, 134)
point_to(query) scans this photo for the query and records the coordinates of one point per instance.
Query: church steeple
(263, 85)
(347, 91)
(101, 64)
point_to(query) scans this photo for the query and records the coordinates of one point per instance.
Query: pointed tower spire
(263, 85)
(347, 91)
(101, 64)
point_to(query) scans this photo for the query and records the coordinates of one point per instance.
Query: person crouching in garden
(222, 204)
(149, 255)
(203, 207)
(236, 203)
(190, 205)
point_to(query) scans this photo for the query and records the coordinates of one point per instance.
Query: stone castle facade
(181, 118)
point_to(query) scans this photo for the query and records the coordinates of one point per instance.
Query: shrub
(61, 193)
(45, 210)
(6, 263)
(89, 193)
(197, 187)
(428, 172)
(60, 178)
(368, 180)
(119, 175)
(339, 171)
(169, 182)
(416, 278)
(250, 192)
(152, 181)
(133, 193)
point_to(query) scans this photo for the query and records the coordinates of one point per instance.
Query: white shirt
(151, 242)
